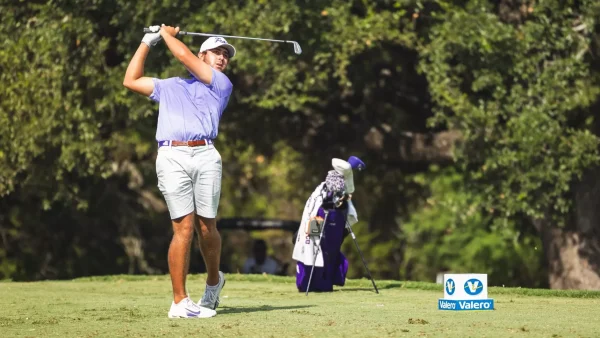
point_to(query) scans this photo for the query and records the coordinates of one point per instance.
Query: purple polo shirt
(188, 109)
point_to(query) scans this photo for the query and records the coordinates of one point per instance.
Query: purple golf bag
(335, 264)
(328, 223)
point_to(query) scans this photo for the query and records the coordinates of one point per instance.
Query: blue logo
(466, 305)
(450, 286)
(473, 287)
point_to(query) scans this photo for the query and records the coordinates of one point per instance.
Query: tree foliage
(521, 95)
(515, 79)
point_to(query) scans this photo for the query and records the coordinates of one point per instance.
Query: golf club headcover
(344, 168)
(356, 163)
(334, 182)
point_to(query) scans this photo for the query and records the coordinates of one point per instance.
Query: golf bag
(335, 265)
(327, 219)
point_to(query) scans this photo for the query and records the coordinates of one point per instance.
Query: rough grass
(268, 306)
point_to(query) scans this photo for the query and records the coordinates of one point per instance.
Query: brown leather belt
(196, 143)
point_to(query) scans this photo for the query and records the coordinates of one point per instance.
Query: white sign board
(465, 291)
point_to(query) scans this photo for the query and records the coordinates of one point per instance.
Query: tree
(507, 86)
(521, 92)
(97, 152)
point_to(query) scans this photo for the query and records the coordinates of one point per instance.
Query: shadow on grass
(370, 288)
(230, 310)
(343, 289)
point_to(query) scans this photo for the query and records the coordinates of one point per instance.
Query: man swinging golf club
(188, 165)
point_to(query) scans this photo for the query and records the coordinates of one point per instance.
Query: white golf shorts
(190, 179)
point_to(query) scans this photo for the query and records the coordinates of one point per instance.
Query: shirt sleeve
(155, 96)
(221, 84)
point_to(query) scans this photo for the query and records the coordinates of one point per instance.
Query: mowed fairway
(263, 306)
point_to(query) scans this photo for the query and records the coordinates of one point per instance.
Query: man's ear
(201, 55)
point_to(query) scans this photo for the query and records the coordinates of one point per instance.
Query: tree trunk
(573, 253)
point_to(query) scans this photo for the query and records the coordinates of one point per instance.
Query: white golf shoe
(211, 294)
(188, 309)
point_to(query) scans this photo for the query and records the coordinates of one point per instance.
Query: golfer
(188, 165)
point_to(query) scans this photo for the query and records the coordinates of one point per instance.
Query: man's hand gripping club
(151, 39)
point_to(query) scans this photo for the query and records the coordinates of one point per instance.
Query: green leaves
(451, 231)
(513, 91)
(45, 68)
(76, 144)
(521, 94)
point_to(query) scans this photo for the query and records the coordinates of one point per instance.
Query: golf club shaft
(230, 36)
(317, 253)
(297, 48)
(362, 257)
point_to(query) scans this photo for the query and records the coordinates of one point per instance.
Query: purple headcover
(356, 163)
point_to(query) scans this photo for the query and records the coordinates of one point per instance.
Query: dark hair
(260, 243)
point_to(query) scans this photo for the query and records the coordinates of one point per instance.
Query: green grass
(267, 306)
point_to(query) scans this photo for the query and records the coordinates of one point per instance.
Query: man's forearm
(199, 69)
(178, 48)
(135, 70)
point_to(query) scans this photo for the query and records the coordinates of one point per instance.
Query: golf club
(296, 45)
(361, 256)
(317, 252)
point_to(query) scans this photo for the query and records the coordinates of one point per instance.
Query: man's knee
(184, 226)
(207, 226)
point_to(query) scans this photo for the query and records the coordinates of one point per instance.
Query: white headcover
(344, 168)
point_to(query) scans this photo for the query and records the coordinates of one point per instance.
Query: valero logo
(473, 287)
(450, 286)
(473, 298)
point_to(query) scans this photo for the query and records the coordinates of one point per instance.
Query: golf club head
(297, 48)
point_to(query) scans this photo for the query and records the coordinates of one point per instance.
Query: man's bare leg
(210, 246)
(179, 254)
